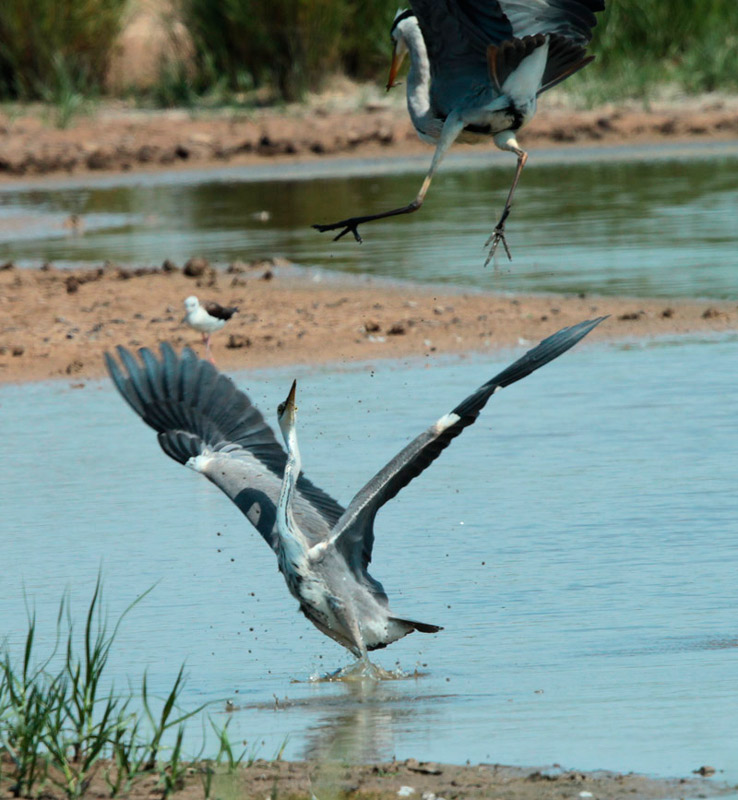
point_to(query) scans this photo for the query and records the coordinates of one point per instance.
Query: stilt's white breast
(200, 320)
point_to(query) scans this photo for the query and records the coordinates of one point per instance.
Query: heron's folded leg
(452, 127)
(498, 234)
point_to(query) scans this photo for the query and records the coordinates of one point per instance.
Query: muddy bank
(117, 138)
(390, 780)
(58, 323)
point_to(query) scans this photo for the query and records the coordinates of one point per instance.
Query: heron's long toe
(498, 235)
(349, 226)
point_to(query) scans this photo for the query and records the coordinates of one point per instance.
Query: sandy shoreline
(118, 138)
(58, 323)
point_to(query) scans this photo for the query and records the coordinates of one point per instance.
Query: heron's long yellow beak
(397, 59)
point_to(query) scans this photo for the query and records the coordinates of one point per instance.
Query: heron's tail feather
(423, 627)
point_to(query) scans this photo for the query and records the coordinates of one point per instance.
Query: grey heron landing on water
(323, 549)
(477, 69)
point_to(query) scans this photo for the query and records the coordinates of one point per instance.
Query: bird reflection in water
(359, 725)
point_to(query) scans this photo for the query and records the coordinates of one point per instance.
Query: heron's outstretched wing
(449, 25)
(568, 23)
(457, 34)
(354, 533)
(203, 420)
(572, 19)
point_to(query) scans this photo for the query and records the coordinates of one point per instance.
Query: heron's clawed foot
(348, 225)
(498, 235)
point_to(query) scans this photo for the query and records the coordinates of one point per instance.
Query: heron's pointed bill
(398, 56)
(290, 401)
(286, 410)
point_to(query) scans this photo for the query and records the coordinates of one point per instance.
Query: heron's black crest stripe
(406, 14)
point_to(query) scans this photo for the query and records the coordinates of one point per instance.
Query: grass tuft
(56, 725)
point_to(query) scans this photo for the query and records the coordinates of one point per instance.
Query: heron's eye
(280, 409)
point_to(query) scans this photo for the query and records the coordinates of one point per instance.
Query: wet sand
(115, 137)
(410, 778)
(58, 323)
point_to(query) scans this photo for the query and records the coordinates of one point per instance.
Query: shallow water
(662, 224)
(577, 544)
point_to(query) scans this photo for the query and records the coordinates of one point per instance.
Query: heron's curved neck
(291, 538)
(418, 79)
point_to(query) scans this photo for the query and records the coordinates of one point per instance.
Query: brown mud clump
(58, 323)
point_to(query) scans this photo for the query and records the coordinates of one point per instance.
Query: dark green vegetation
(290, 45)
(58, 50)
(643, 44)
(62, 722)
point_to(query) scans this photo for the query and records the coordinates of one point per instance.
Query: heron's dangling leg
(506, 141)
(452, 127)
(347, 617)
(349, 620)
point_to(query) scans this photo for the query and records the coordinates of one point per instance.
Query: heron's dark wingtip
(589, 324)
(110, 364)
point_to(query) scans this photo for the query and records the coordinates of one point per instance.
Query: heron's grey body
(477, 69)
(323, 550)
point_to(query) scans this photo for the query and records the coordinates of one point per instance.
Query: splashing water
(364, 670)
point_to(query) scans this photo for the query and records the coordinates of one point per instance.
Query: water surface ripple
(649, 227)
(577, 544)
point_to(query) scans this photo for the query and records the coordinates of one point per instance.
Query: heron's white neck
(418, 80)
(291, 538)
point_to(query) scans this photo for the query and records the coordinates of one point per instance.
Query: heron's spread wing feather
(449, 25)
(564, 59)
(457, 34)
(504, 59)
(573, 19)
(199, 414)
(354, 533)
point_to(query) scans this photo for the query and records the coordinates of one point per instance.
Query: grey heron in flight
(477, 69)
(323, 549)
